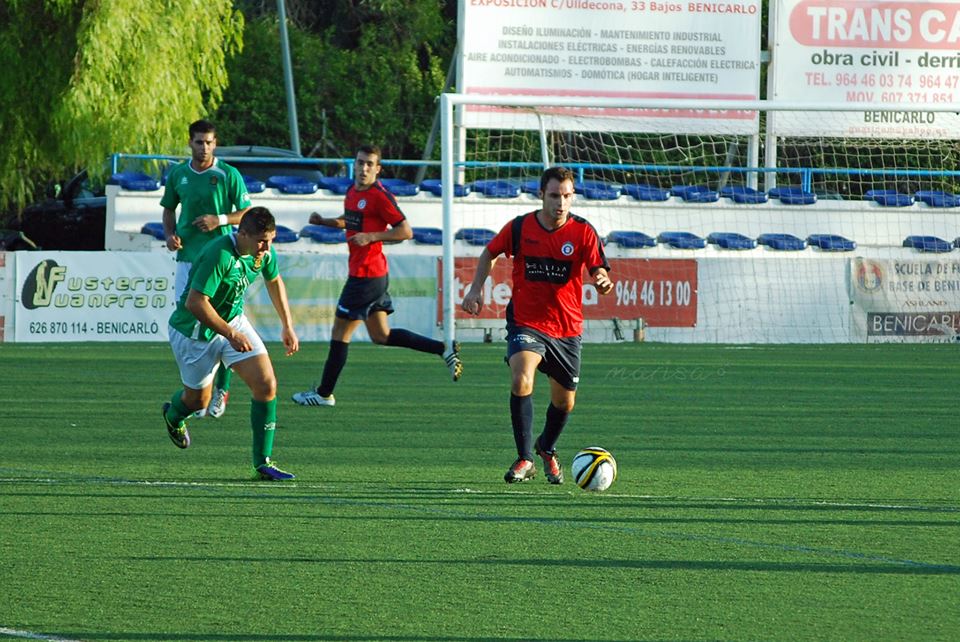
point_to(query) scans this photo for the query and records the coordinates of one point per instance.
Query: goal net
(736, 222)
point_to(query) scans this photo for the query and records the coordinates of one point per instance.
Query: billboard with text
(613, 48)
(851, 51)
(662, 292)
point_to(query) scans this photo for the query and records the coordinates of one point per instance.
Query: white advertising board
(93, 296)
(613, 48)
(905, 301)
(851, 51)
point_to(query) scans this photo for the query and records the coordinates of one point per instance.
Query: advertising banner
(905, 301)
(851, 51)
(93, 296)
(616, 49)
(662, 292)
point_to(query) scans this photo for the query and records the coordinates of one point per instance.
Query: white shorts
(180, 280)
(198, 360)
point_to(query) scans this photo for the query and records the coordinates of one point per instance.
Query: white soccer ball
(594, 469)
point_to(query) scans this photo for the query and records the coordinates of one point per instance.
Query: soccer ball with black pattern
(594, 468)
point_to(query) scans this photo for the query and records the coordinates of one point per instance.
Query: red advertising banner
(662, 292)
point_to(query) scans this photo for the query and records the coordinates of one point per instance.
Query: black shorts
(362, 296)
(561, 357)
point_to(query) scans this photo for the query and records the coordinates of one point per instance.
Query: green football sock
(177, 412)
(263, 421)
(224, 375)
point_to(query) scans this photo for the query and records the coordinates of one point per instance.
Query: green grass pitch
(765, 493)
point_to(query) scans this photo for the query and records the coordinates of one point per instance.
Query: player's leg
(562, 365)
(197, 362)
(221, 392)
(256, 370)
(524, 353)
(181, 281)
(381, 333)
(352, 309)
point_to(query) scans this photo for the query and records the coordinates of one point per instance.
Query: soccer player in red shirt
(550, 248)
(370, 217)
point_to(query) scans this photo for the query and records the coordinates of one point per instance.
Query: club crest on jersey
(362, 203)
(566, 249)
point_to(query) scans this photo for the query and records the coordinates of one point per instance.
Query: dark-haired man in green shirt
(209, 327)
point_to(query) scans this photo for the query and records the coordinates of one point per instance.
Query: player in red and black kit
(370, 216)
(550, 248)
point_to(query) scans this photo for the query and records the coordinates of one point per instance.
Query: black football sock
(521, 415)
(556, 420)
(336, 359)
(405, 339)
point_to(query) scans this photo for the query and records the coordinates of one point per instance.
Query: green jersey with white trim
(216, 190)
(222, 274)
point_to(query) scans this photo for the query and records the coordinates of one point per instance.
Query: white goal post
(713, 142)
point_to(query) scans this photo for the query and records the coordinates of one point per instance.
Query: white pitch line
(28, 635)
(464, 490)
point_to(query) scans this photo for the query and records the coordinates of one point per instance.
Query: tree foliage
(83, 78)
(364, 71)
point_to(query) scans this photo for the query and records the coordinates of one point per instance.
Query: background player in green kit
(212, 197)
(209, 326)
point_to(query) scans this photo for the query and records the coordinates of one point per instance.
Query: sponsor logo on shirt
(546, 269)
(353, 220)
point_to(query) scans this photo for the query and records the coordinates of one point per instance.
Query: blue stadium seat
(336, 184)
(605, 193)
(643, 192)
(731, 241)
(598, 190)
(703, 196)
(428, 235)
(292, 184)
(497, 188)
(134, 181)
(682, 240)
(631, 239)
(253, 185)
(889, 197)
(475, 235)
(782, 242)
(935, 198)
(323, 234)
(742, 194)
(154, 229)
(434, 186)
(928, 244)
(792, 195)
(306, 187)
(695, 193)
(531, 187)
(831, 243)
(285, 235)
(400, 187)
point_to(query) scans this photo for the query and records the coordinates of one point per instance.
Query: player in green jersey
(209, 327)
(212, 197)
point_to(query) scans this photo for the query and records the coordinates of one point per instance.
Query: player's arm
(399, 232)
(210, 222)
(199, 306)
(338, 222)
(473, 299)
(602, 280)
(170, 229)
(278, 295)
